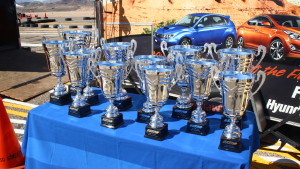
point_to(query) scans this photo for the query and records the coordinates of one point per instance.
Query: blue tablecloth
(55, 140)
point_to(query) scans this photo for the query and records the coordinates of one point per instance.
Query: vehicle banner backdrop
(281, 91)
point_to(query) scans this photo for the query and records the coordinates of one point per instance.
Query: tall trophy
(144, 114)
(236, 91)
(77, 65)
(56, 65)
(201, 72)
(238, 59)
(88, 92)
(82, 38)
(121, 51)
(177, 55)
(111, 73)
(159, 80)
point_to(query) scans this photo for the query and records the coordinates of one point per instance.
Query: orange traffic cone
(10, 150)
(30, 16)
(45, 16)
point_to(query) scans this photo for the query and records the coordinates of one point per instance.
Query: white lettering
(283, 108)
(296, 92)
(270, 105)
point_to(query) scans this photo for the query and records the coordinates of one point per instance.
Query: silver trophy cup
(236, 89)
(159, 80)
(141, 61)
(121, 51)
(77, 65)
(177, 56)
(201, 72)
(111, 73)
(82, 39)
(53, 50)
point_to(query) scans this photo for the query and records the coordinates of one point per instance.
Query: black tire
(240, 42)
(38, 17)
(276, 50)
(86, 18)
(27, 25)
(34, 25)
(92, 18)
(68, 19)
(44, 26)
(229, 42)
(87, 26)
(185, 41)
(45, 17)
(73, 26)
(55, 26)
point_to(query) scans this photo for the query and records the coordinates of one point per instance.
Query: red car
(280, 34)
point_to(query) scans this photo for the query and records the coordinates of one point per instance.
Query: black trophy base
(92, 100)
(198, 128)
(226, 121)
(143, 117)
(182, 113)
(112, 122)
(80, 111)
(157, 133)
(60, 100)
(234, 145)
(123, 105)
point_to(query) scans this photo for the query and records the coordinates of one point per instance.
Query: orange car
(280, 34)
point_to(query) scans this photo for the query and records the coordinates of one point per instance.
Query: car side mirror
(200, 26)
(266, 23)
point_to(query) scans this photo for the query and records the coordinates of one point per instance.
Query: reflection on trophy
(238, 59)
(52, 50)
(177, 55)
(111, 73)
(121, 51)
(88, 92)
(158, 82)
(82, 39)
(141, 61)
(77, 64)
(201, 72)
(235, 86)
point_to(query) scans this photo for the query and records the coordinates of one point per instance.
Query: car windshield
(188, 21)
(287, 20)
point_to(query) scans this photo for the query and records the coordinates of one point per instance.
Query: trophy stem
(78, 98)
(199, 115)
(112, 110)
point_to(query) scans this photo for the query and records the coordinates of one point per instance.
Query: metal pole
(99, 19)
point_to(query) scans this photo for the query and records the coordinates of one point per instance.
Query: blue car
(198, 29)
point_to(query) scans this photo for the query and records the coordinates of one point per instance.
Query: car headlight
(168, 36)
(292, 35)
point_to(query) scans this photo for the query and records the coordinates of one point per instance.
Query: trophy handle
(133, 46)
(163, 47)
(264, 50)
(214, 71)
(102, 41)
(44, 38)
(263, 79)
(60, 30)
(209, 48)
(96, 36)
(97, 54)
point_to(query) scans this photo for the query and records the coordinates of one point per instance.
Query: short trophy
(111, 72)
(238, 59)
(159, 80)
(201, 72)
(177, 55)
(121, 51)
(77, 65)
(55, 60)
(236, 91)
(144, 114)
(88, 91)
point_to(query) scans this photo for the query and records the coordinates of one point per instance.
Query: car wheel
(185, 41)
(229, 42)
(276, 50)
(240, 42)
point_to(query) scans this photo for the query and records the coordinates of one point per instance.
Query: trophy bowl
(82, 39)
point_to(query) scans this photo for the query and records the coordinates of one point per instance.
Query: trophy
(159, 80)
(77, 64)
(88, 92)
(177, 55)
(56, 65)
(237, 59)
(141, 61)
(82, 39)
(111, 73)
(121, 51)
(201, 72)
(236, 91)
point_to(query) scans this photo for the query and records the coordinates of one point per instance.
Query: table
(55, 140)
